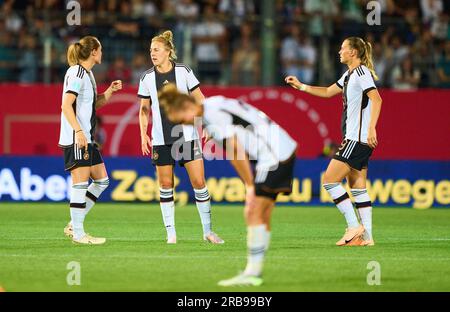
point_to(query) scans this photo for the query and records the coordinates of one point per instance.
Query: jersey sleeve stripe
(369, 89)
(338, 84)
(183, 65)
(147, 97)
(195, 87)
(72, 92)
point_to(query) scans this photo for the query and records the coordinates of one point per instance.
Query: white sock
(94, 191)
(343, 203)
(77, 206)
(256, 246)
(168, 210)
(203, 201)
(364, 209)
(267, 241)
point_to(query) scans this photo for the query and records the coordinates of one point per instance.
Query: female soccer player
(81, 156)
(249, 135)
(362, 106)
(171, 142)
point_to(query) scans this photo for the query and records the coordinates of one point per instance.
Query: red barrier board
(412, 125)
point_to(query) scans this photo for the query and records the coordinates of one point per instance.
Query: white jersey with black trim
(81, 83)
(165, 132)
(357, 105)
(263, 139)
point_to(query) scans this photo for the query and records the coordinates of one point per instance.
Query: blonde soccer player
(81, 155)
(362, 106)
(171, 143)
(249, 135)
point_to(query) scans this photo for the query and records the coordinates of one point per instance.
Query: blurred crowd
(221, 39)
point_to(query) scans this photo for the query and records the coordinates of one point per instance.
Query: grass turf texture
(412, 248)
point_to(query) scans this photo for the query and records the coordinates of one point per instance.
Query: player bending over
(249, 135)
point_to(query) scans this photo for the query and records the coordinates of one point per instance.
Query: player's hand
(116, 85)
(372, 138)
(146, 144)
(80, 140)
(293, 82)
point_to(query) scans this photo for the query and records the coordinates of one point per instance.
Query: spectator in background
(431, 9)
(321, 14)
(439, 27)
(187, 10)
(13, 22)
(187, 13)
(236, 12)
(443, 67)
(28, 62)
(7, 56)
(380, 62)
(209, 38)
(245, 66)
(298, 56)
(400, 49)
(424, 61)
(139, 66)
(119, 70)
(405, 76)
(307, 55)
(126, 26)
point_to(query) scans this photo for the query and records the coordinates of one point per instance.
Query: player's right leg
(357, 181)
(80, 178)
(166, 184)
(337, 170)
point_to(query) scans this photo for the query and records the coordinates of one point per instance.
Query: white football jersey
(263, 140)
(357, 105)
(165, 132)
(81, 83)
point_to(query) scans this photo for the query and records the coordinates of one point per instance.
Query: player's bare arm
(375, 97)
(67, 109)
(325, 92)
(103, 98)
(144, 113)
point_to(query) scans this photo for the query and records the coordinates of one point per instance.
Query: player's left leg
(357, 181)
(100, 182)
(266, 217)
(196, 172)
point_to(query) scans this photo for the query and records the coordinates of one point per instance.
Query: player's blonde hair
(166, 38)
(172, 100)
(364, 49)
(81, 50)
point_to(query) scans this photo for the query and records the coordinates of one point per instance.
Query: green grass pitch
(412, 248)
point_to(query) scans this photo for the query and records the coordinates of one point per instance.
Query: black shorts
(354, 153)
(163, 155)
(271, 183)
(74, 158)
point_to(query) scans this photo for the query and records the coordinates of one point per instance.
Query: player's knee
(198, 183)
(102, 184)
(252, 213)
(166, 183)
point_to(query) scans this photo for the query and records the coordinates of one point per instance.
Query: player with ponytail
(361, 109)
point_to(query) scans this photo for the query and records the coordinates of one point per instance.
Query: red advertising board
(413, 125)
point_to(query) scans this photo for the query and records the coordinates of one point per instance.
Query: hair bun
(168, 35)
